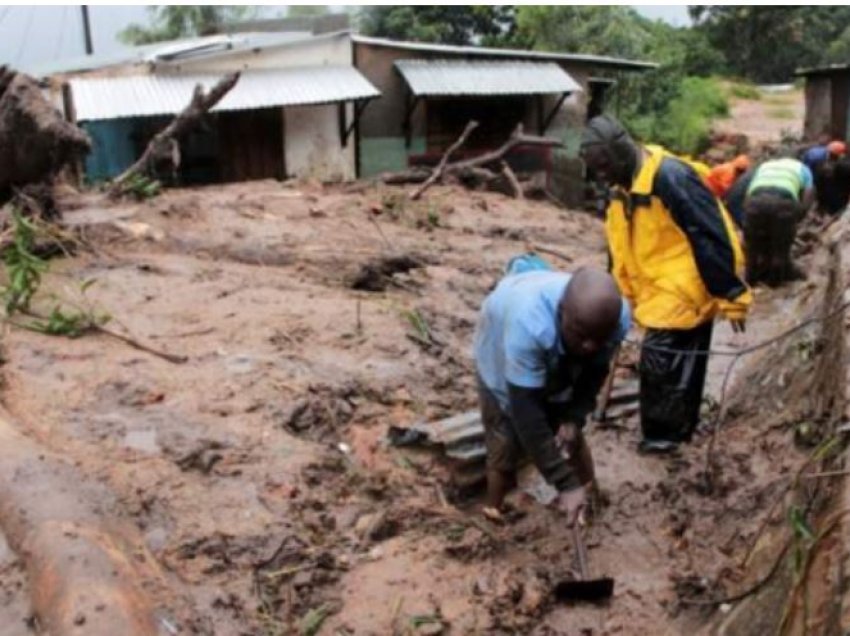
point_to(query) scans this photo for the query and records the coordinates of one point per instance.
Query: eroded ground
(257, 471)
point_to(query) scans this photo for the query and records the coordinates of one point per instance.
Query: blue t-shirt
(517, 339)
(815, 155)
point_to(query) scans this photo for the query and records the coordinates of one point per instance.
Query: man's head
(609, 151)
(590, 311)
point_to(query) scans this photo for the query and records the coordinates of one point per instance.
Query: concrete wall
(312, 144)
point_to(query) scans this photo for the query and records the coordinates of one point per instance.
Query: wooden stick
(511, 177)
(438, 171)
(169, 357)
(537, 247)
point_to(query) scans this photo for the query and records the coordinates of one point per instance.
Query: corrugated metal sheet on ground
(145, 95)
(462, 77)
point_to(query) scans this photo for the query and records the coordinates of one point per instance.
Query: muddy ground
(314, 319)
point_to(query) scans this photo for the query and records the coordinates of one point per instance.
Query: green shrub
(744, 90)
(684, 125)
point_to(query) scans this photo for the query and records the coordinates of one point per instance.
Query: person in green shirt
(778, 195)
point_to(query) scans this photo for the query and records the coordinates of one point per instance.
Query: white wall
(313, 145)
(332, 50)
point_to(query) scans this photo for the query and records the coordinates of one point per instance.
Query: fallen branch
(517, 138)
(468, 170)
(438, 171)
(512, 180)
(168, 357)
(199, 105)
(750, 590)
(542, 249)
(830, 525)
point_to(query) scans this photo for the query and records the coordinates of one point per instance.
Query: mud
(258, 473)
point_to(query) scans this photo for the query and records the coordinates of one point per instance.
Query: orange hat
(741, 162)
(837, 148)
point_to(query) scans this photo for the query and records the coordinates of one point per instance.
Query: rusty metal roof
(160, 94)
(479, 77)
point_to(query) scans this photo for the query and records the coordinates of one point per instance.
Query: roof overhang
(599, 61)
(432, 78)
(159, 94)
(823, 70)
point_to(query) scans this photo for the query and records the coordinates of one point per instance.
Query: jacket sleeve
(528, 413)
(697, 213)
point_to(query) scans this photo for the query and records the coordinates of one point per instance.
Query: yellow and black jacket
(674, 251)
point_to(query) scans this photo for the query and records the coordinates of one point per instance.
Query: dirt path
(257, 472)
(774, 115)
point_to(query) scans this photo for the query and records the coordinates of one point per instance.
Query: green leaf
(313, 620)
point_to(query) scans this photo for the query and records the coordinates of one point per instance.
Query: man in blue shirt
(542, 350)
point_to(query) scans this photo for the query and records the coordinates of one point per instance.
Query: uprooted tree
(164, 145)
(36, 143)
(475, 171)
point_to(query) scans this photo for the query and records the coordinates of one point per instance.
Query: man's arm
(586, 389)
(697, 213)
(532, 428)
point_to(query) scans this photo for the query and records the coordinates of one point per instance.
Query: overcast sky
(33, 35)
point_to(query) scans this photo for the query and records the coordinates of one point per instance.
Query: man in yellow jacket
(677, 258)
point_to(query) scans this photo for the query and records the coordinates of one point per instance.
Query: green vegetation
(141, 187)
(781, 113)
(171, 22)
(24, 270)
(685, 124)
(725, 40)
(744, 90)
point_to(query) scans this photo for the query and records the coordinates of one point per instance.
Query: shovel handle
(581, 552)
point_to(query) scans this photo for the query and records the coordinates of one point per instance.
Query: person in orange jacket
(722, 176)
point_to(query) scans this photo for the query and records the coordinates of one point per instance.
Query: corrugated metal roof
(482, 51)
(145, 95)
(173, 50)
(822, 70)
(462, 77)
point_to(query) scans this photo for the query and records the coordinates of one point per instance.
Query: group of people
(767, 202)
(676, 235)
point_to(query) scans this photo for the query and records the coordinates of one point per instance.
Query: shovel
(584, 589)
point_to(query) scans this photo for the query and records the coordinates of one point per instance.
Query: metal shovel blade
(585, 588)
(594, 590)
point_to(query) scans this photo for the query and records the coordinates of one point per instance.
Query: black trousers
(770, 224)
(672, 383)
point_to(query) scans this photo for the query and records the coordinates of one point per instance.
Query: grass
(744, 90)
(781, 113)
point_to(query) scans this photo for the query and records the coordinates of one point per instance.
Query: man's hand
(739, 326)
(573, 504)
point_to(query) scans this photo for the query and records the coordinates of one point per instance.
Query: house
(291, 114)
(430, 91)
(337, 106)
(827, 102)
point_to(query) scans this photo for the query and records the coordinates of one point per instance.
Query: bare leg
(499, 484)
